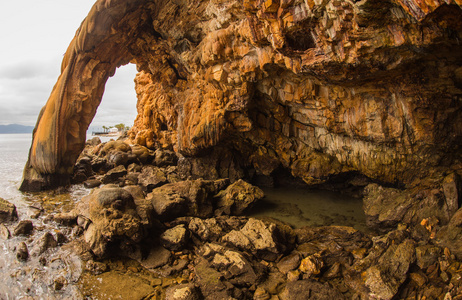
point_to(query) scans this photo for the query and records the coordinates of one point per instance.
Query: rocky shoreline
(154, 231)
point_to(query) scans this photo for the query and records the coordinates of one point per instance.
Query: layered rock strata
(318, 88)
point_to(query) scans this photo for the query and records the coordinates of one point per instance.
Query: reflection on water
(302, 207)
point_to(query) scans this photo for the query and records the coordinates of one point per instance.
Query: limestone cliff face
(317, 87)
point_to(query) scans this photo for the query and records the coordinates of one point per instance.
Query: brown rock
(238, 197)
(7, 211)
(24, 227)
(307, 289)
(4, 232)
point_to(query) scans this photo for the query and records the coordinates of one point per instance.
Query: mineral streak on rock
(317, 87)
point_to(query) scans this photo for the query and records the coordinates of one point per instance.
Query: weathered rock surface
(24, 227)
(8, 211)
(112, 218)
(316, 87)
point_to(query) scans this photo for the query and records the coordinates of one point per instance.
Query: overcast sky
(34, 35)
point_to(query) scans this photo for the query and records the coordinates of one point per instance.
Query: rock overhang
(317, 87)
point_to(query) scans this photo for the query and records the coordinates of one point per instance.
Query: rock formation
(315, 87)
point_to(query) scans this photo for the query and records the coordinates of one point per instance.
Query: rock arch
(103, 42)
(317, 87)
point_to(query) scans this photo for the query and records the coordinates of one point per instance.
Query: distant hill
(16, 128)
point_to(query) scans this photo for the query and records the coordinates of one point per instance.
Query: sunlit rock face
(316, 87)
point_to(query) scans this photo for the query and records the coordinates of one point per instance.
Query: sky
(34, 36)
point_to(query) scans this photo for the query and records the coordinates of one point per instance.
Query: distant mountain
(16, 128)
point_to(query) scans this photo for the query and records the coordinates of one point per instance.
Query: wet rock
(114, 174)
(385, 207)
(24, 227)
(237, 197)
(175, 238)
(22, 253)
(4, 232)
(92, 183)
(182, 292)
(151, 177)
(309, 289)
(134, 168)
(45, 242)
(206, 230)
(209, 281)
(8, 211)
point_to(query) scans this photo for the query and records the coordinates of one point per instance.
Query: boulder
(112, 216)
(151, 177)
(114, 174)
(263, 239)
(237, 197)
(8, 211)
(24, 227)
(384, 276)
(165, 158)
(175, 238)
(158, 256)
(207, 230)
(186, 198)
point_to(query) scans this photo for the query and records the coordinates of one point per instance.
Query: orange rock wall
(319, 87)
